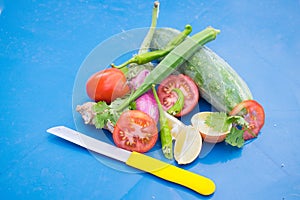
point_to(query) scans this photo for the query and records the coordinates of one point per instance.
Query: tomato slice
(135, 131)
(253, 113)
(168, 97)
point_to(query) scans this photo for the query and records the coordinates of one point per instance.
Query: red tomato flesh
(253, 113)
(107, 85)
(168, 97)
(135, 131)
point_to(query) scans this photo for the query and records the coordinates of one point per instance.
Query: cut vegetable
(188, 145)
(147, 104)
(209, 134)
(135, 131)
(169, 98)
(178, 105)
(254, 114)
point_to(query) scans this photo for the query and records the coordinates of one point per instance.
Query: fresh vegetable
(240, 118)
(87, 112)
(178, 105)
(175, 58)
(135, 131)
(235, 137)
(217, 82)
(165, 132)
(107, 85)
(174, 124)
(153, 55)
(147, 40)
(138, 80)
(147, 104)
(188, 141)
(188, 145)
(187, 86)
(137, 73)
(133, 68)
(219, 121)
(222, 124)
(107, 114)
(202, 122)
(103, 115)
(254, 114)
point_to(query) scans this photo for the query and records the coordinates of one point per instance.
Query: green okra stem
(147, 40)
(179, 38)
(165, 132)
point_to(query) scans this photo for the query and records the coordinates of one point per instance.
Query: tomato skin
(186, 85)
(107, 85)
(135, 131)
(255, 116)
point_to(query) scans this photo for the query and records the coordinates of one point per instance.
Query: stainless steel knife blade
(90, 143)
(166, 171)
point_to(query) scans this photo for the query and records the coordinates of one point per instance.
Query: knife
(166, 171)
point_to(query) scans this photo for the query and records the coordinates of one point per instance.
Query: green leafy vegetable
(100, 107)
(100, 120)
(235, 137)
(102, 114)
(218, 121)
(105, 113)
(221, 122)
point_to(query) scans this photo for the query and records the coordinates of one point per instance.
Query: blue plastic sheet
(43, 45)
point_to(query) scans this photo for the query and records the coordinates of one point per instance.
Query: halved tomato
(253, 113)
(135, 131)
(168, 97)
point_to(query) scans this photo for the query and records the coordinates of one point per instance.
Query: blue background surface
(42, 46)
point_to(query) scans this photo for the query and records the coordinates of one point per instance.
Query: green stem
(147, 40)
(179, 38)
(178, 105)
(165, 132)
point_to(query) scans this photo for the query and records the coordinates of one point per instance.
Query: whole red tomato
(107, 85)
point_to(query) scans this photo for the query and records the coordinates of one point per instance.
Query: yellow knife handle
(171, 173)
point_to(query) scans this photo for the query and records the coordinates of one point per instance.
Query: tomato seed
(121, 133)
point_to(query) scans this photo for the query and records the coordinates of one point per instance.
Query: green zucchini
(218, 83)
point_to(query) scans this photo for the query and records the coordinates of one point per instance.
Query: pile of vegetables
(134, 100)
